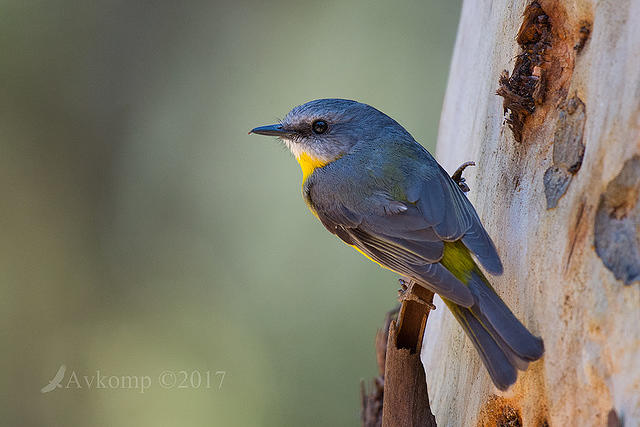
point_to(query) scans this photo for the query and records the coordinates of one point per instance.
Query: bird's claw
(404, 294)
(457, 176)
(463, 185)
(403, 287)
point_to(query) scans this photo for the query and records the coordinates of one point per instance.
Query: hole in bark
(525, 87)
(549, 38)
(613, 420)
(498, 411)
(583, 36)
(617, 222)
(509, 418)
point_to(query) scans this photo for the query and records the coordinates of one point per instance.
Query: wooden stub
(406, 401)
(416, 304)
(372, 399)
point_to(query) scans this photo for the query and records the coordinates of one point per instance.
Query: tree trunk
(556, 185)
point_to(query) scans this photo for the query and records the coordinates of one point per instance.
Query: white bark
(554, 280)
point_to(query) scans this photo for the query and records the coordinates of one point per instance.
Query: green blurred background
(143, 230)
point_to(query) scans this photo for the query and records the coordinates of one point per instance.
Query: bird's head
(321, 131)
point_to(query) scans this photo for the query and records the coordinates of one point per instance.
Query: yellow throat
(308, 164)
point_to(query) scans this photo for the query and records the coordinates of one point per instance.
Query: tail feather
(492, 311)
(515, 359)
(504, 344)
(502, 372)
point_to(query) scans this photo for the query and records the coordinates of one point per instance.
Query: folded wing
(397, 242)
(452, 216)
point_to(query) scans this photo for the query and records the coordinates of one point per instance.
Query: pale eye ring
(319, 127)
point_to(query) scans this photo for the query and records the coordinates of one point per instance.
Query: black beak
(271, 130)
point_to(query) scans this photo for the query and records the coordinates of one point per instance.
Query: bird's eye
(319, 127)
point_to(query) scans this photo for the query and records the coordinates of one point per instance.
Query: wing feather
(418, 259)
(432, 275)
(453, 217)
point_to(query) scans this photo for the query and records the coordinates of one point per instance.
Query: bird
(55, 381)
(371, 184)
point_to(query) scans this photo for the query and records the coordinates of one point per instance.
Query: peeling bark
(568, 150)
(617, 239)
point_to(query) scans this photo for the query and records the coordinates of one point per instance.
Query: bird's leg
(457, 176)
(405, 293)
(403, 287)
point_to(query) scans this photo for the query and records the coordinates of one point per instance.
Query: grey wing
(452, 216)
(400, 241)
